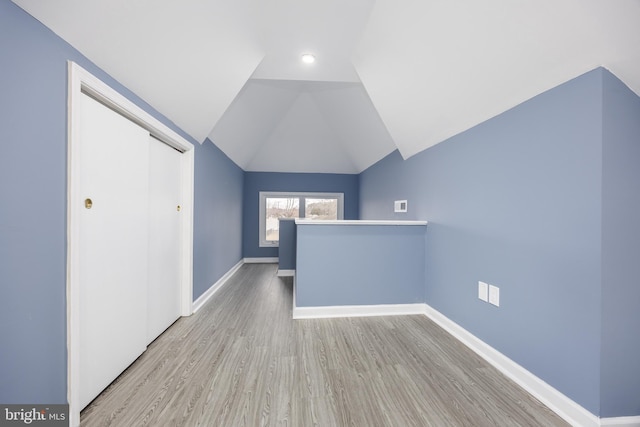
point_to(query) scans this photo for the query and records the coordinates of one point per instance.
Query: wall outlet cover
(483, 291)
(400, 206)
(494, 295)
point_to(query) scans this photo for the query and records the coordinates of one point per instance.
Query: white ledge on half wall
(301, 221)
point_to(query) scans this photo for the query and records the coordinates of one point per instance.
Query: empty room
(320, 213)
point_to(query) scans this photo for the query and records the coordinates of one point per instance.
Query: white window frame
(262, 219)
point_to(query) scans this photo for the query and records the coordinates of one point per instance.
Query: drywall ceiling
(388, 74)
(188, 59)
(303, 126)
(436, 68)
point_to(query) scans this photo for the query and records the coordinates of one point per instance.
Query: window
(276, 205)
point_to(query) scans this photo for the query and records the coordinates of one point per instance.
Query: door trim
(81, 81)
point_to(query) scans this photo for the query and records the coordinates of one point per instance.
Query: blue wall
(359, 265)
(515, 202)
(217, 242)
(255, 182)
(620, 375)
(32, 211)
(33, 121)
(287, 244)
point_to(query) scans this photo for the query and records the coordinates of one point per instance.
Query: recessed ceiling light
(308, 58)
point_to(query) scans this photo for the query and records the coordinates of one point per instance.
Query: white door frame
(79, 81)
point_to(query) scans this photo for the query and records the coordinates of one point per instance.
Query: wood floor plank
(242, 361)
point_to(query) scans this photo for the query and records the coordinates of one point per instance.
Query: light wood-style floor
(242, 361)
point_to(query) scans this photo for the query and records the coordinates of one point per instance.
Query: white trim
(357, 310)
(79, 81)
(202, 299)
(186, 232)
(261, 260)
(293, 310)
(566, 408)
(621, 421)
(302, 221)
(286, 273)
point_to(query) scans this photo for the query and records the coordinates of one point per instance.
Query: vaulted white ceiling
(389, 74)
(302, 126)
(436, 68)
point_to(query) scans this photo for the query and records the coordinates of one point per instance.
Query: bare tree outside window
(276, 208)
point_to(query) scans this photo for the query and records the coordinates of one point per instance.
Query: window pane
(276, 208)
(321, 208)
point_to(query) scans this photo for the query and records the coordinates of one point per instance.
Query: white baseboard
(286, 273)
(261, 260)
(356, 310)
(620, 422)
(202, 299)
(566, 408)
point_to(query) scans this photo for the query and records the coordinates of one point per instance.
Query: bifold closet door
(164, 237)
(114, 243)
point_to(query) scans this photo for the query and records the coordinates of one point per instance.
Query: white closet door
(113, 246)
(164, 237)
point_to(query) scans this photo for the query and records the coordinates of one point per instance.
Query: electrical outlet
(494, 295)
(400, 206)
(483, 291)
